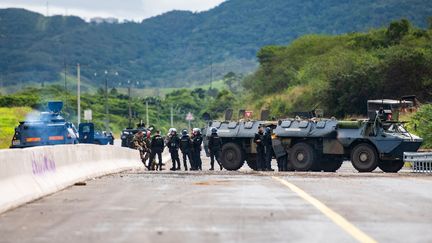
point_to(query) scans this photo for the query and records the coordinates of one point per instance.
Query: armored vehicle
(237, 139)
(322, 144)
(325, 144)
(49, 129)
(128, 134)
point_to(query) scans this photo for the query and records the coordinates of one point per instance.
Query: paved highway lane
(142, 206)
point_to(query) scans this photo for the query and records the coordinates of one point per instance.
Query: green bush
(421, 124)
(182, 101)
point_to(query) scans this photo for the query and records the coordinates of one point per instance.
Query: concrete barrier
(28, 174)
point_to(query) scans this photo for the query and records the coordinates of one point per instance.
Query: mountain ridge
(180, 48)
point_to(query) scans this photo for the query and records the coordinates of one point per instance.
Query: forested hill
(181, 47)
(340, 73)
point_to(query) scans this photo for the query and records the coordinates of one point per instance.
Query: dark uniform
(268, 149)
(157, 147)
(197, 141)
(215, 147)
(281, 155)
(173, 146)
(140, 145)
(186, 149)
(259, 137)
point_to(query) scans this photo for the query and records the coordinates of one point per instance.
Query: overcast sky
(123, 9)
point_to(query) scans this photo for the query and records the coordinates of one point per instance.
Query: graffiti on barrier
(43, 163)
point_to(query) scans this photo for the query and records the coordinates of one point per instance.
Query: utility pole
(130, 108)
(147, 114)
(65, 84)
(106, 102)
(79, 93)
(172, 118)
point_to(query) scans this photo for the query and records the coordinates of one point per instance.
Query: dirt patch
(212, 183)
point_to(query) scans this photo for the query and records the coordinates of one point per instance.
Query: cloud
(162, 6)
(127, 9)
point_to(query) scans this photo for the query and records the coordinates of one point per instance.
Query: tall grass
(9, 118)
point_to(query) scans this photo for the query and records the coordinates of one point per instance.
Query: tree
(233, 81)
(114, 91)
(224, 100)
(212, 92)
(229, 80)
(101, 91)
(420, 124)
(397, 30)
(268, 55)
(199, 92)
(348, 93)
(406, 71)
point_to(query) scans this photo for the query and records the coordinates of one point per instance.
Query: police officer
(280, 154)
(194, 163)
(197, 142)
(268, 149)
(186, 149)
(173, 146)
(139, 144)
(259, 137)
(157, 147)
(215, 147)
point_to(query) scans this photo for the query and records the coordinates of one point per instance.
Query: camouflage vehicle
(322, 144)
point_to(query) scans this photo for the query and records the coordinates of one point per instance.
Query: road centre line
(332, 215)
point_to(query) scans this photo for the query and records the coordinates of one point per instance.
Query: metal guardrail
(421, 162)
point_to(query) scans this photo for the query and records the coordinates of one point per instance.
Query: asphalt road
(244, 206)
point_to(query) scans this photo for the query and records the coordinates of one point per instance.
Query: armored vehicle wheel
(391, 166)
(331, 165)
(232, 157)
(364, 158)
(302, 157)
(251, 162)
